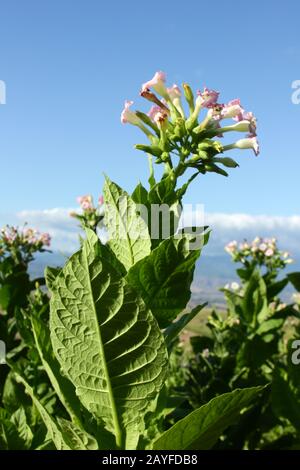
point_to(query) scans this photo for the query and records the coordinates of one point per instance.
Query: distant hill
(212, 272)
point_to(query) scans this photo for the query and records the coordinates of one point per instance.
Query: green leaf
(9, 435)
(128, 232)
(76, 437)
(201, 429)
(226, 161)
(164, 277)
(285, 401)
(62, 386)
(50, 275)
(140, 195)
(275, 288)
(164, 191)
(181, 191)
(294, 278)
(5, 296)
(107, 342)
(176, 327)
(254, 302)
(52, 427)
(270, 325)
(20, 421)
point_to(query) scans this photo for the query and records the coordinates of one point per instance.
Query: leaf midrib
(117, 427)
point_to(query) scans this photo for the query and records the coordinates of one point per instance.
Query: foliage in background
(247, 344)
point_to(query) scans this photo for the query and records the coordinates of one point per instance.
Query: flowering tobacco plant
(21, 244)
(117, 308)
(182, 139)
(261, 252)
(17, 250)
(91, 215)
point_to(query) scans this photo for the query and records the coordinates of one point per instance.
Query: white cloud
(253, 222)
(64, 229)
(226, 227)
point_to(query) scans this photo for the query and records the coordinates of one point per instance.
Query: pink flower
(231, 246)
(174, 95)
(215, 111)
(45, 239)
(247, 116)
(174, 92)
(158, 115)
(248, 143)
(157, 83)
(100, 200)
(232, 109)
(128, 116)
(85, 202)
(269, 252)
(263, 247)
(208, 97)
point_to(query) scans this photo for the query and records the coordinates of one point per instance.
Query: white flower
(235, 286)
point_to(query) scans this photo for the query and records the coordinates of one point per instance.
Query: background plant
(247, 343)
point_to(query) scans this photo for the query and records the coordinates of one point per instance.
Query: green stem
(151, 179)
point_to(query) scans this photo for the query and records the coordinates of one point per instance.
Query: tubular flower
(157, 83)
(231, 109)
(181, 138)
(128, 116)
(175, 97)
(249, 143)
(158, 115)
(247, 116)
(208, 98)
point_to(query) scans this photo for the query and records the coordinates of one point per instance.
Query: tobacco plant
(117, 308)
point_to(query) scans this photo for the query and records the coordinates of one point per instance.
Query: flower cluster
(234, 287)
(173, 131)
(21, 244)
(91, 215)
(261, 251)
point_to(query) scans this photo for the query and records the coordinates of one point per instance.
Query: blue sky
(68, 66)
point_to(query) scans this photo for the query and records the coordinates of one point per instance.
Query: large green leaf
(62, 386)
(254, 303)
(285, 398)
(52, 427)
(107, 342)
(128, 233)
(164, 277)
(201, 429)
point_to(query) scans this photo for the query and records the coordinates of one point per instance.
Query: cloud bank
(64, 229)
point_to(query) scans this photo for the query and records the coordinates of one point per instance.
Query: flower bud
(189, 96)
